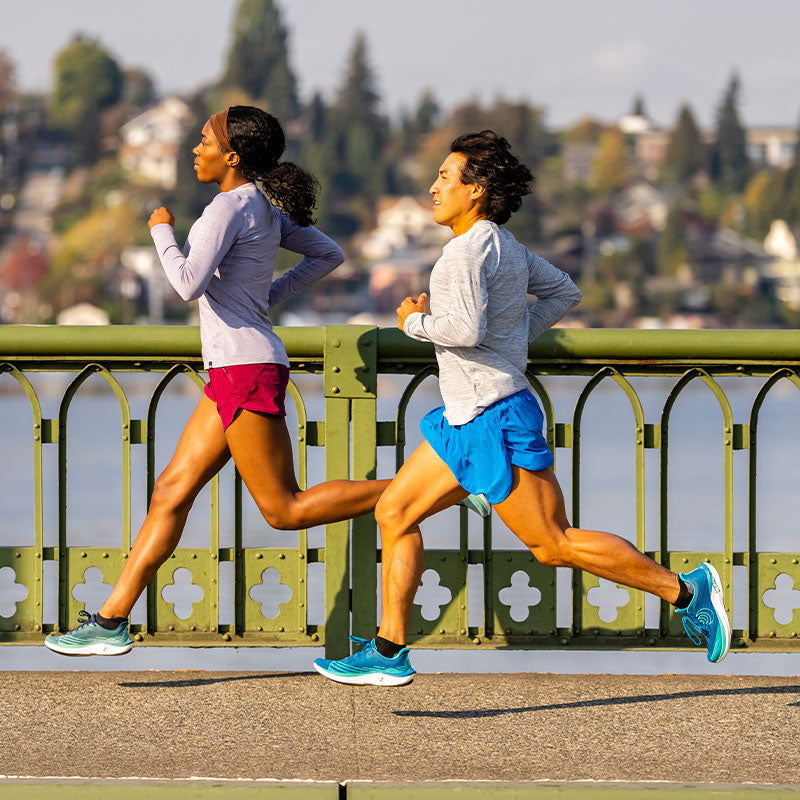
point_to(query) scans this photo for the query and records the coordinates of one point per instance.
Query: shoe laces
(85, 618)
(359, 641)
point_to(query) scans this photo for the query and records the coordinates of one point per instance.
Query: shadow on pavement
(178, 683)
(603, 701)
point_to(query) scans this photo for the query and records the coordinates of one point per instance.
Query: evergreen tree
(686, 154)
(731, 164)
(790, 202)
(638, 109)
(258, 59)
(427, 114)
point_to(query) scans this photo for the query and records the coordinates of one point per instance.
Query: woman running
(227, 265)
(487, 437)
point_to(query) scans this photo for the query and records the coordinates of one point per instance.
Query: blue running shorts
(480, 452)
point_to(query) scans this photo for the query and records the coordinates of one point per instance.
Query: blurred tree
(356, 140)
(258, 59)
(138, 89)
(763, 200)
(672, 248)
(428, 112)
(611, 167)
(25, 264)
(686, 154)
(790, 202)
(87, 81)
(7, 89)
(730, 164)
(638, 109)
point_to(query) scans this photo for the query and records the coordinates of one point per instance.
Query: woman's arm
(212, 236)
(555, 292)
(321, 256)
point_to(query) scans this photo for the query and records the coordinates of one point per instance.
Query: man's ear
(478, 191)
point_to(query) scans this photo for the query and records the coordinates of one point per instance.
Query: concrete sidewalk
(514, 728)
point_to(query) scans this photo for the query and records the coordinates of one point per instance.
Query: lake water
(607, 503)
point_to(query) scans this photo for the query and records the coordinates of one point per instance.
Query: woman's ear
(232, 159)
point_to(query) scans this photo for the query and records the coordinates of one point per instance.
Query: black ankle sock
(386, 648)
(109, 622)
(685, 594)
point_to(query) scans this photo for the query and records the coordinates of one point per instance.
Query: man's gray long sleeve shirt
(480, 323)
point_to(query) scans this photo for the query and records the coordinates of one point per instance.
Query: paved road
(521, 727)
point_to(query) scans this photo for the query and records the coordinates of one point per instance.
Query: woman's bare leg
(535, 512)
(201, 452)
(262, 450)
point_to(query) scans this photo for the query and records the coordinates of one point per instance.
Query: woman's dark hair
(491, 164)
(258, 139)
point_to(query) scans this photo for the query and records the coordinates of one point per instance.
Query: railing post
(349, 378)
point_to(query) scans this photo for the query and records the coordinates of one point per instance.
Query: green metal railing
(350, 358)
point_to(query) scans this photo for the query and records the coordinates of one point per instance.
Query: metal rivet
(794, 561)
(335, 369)
(314, 637)
(226, 637)
(17, 627)
(213, 556)
(651, 641)
(419, 630)
(38, 555)
(194, 555)
(772, 634)
(476, 640)
(83, 555)
(138, 637)
(105, 555)
(302, 629)
(17, 555)
(194, 627)
(685, 560)
(442, 558)
(564, 640)
(335, 342)
(441, 630)
(259, 628)
(773, 561)
(281, 555)
(302, 556)
(280, 628)
(462, 632)
(335, 389)
(172, 627)
(173, 555)
(259, 555)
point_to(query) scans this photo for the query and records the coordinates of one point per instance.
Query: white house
(150, 142)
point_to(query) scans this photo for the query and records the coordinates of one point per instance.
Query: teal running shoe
(477, 503)
(368, 666)
(705, 616)
(91, 639)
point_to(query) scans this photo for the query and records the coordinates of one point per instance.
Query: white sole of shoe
(375, 679)
(91, 650)
(719, 606)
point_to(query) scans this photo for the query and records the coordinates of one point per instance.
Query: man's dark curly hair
(491, 164)
(259, 140)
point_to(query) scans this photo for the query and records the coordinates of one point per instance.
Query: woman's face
(211, 165)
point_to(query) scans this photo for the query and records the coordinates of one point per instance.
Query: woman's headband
(219, 124)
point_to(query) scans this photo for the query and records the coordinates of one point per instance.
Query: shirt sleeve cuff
(413, 326)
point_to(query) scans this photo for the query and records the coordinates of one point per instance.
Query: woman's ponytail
(258, 139)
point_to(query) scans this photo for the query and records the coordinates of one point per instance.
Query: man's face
(452, 199)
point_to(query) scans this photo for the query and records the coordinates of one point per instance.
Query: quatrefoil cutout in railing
(783, 599)
(92, 592)
(270, 593)
(182, 593)
(607, 598)
(11, 592)
(520, 596)
(431, 595)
